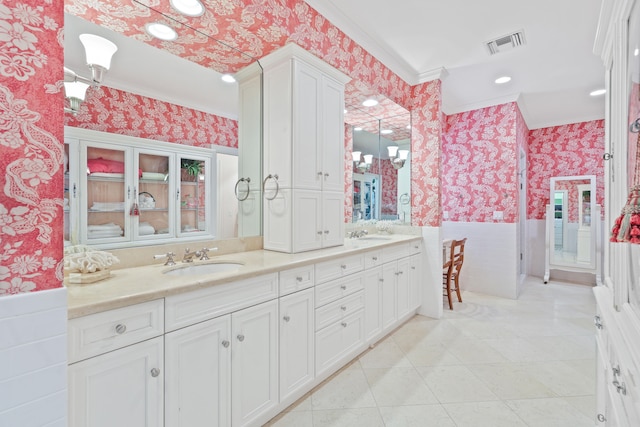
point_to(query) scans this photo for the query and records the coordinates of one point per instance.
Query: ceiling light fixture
(370, 103)
(357, 129)
(161, 31)
(503, 79)
(98, 54)
(228, 78)
(386, 131)
(188, 7)
(362, 165)
(598, 92)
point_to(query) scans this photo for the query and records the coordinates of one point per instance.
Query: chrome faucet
(203, 253)
(188, 255)
(356, 234)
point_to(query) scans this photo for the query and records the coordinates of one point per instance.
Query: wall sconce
(98, 53)
(362, 166)
(397, 157)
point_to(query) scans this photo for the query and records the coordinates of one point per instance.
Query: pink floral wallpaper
(567, 150)
(110, 110)
(389, 178)
(479, 164)
(31, 137)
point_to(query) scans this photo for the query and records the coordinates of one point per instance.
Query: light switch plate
(498, 215)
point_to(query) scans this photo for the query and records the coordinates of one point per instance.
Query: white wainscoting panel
(33, 359)
(490, 256)
(431, 272)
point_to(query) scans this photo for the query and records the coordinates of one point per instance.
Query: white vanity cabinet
(303, 152)
(127, 189)
(116, 371)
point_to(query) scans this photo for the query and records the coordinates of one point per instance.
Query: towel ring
(248, 181)
(635, 126)
(264, 186)
(404, 198)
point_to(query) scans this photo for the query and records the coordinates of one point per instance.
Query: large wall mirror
(188, 72)
(573, 226)
(381, 136)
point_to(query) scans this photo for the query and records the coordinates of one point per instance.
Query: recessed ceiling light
(228, 78)
(370, 103)
(161, 31)
(408, 126)
(386, 131)
(188, 7)
(598, 92)
(503, 79)
(357, 129)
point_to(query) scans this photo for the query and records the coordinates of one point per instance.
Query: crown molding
(435, 74)
(456, 109)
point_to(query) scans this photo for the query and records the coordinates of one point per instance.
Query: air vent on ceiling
(505, 43)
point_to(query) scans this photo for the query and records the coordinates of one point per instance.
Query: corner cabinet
(120, 189)
(303, 163)
(618, 299)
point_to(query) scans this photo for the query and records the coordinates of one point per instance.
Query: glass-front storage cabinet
(123, 189)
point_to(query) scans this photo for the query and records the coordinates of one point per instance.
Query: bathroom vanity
(166, 345)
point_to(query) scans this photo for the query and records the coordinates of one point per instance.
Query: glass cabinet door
(107, 204)
(71, 193)
(194, 196)
(155, 207)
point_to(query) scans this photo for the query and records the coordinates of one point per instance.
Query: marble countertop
(140, 284)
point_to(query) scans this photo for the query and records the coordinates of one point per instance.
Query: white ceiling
(552, 74)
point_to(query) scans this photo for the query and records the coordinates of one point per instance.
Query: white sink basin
(374, 237)
(196, 269)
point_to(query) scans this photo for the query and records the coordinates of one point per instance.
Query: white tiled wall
(33, 359)
(490, 256)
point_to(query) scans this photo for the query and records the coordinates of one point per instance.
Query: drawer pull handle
(299, 279)
(286, 318)
(319, 233)
(416, 247)
(601, 418)
(225, 343)
(343, 287)
(343, 308)
(598, 322)
(381, 280)
(413, 267)
(121, 329)
(326, 231)
(620, 387)
(155, 372)
(344, 324)
(616, 370)
(343, 266)
(240, 337)
(375, 258)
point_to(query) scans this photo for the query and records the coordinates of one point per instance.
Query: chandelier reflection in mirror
(397, 157)
(362, 165)
(98, 53)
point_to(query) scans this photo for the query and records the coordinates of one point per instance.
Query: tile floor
(491, 362)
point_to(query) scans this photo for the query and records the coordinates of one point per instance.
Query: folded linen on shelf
(107, 206)
(103, 234)
(102, 227)
(145, 229)
(100, 231)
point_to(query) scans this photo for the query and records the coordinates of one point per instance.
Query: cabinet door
(307, 220)
(307, 166)
(122, 388)
(296, 342)
(106, 192)
(198, 381)
(389, 295)
(332, 219)
(332, 148)
(254, 362)
(71, 192)
(372, 304)
(153, 192)
(194, 196)
(402, 287)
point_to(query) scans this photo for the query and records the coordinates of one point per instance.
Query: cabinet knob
(381, 280)
(299, 278)
(320, 233)
(326, 231)
(601, 418)
(344, 324)
(615, 370)
(343, 287)
(343, 266)
(375, 258)
(319, 173)
(286, 318)
(343, 308)
(326, 175)
(413, 267)
(155, 372)
(240, 337)
(598, 322)
(121, 329)
(225, 343)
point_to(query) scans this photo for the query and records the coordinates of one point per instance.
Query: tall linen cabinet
(617, 320)
(303, 157)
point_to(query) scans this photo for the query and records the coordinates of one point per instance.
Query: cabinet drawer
(339, 342)
(392, 253)
(337, 289)
(337, 310)
(296, 279)
(197, 306)
(372, 259)
(103, 332)
(337, 268)
(415, 247)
